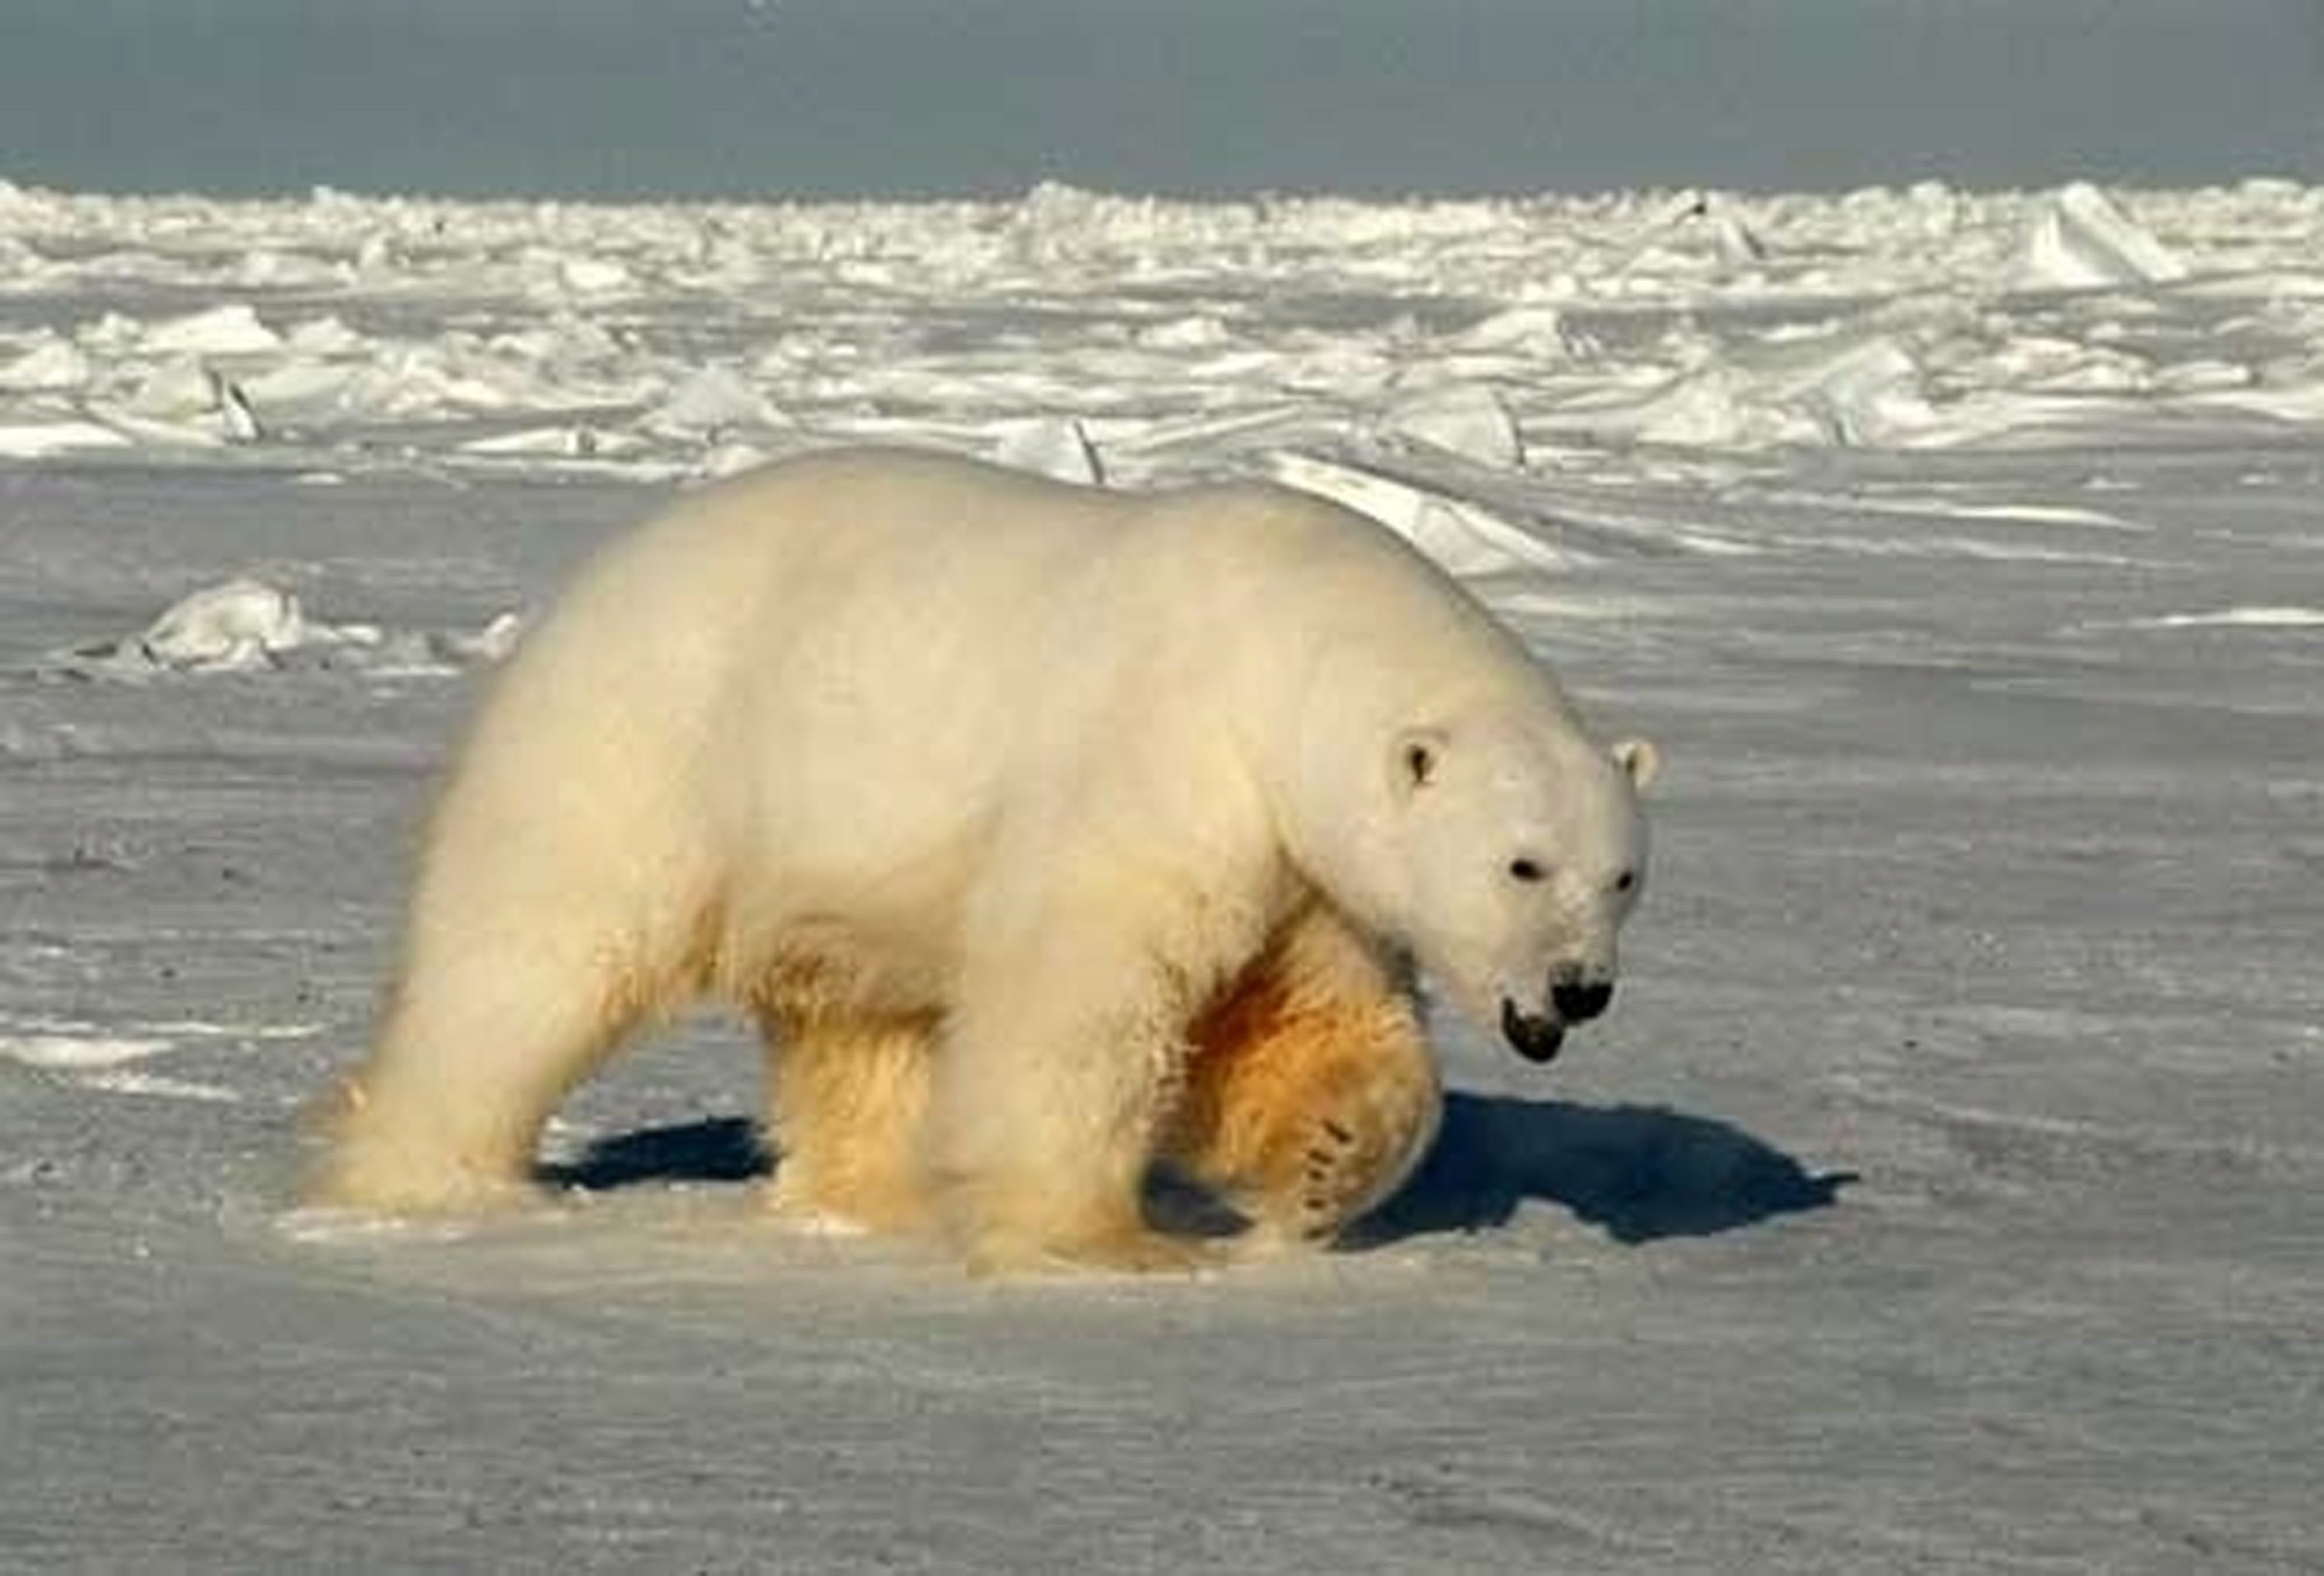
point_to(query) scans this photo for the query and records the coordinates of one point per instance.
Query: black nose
(1536, 1039)
(1580, 1003)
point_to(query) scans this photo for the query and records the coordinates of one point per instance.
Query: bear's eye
(1626, 881)
(1527, 870)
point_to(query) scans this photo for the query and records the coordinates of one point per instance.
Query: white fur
(1017, 772)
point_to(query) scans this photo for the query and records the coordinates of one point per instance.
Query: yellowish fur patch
(1310, 1092)
(847, 1107)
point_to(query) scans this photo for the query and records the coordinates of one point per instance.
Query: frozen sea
(1941, 1196)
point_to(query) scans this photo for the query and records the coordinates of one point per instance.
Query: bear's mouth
(1535, 1037)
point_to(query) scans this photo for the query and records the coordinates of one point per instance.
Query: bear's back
(966, 587)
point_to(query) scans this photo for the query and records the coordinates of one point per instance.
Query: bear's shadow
(1638, 1172)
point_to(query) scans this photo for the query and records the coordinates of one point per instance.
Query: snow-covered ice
(56, 1051)
(241, 625)
(2085, 240)
(1941, 1196)
(637, 341)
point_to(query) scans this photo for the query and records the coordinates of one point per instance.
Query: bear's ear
(1638, 760)
(1414, 762)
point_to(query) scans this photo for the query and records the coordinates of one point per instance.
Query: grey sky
(832, 97)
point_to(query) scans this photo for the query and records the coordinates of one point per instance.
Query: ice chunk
(226, 627)
(187, 401)
(1709, 409)
(729, 459)
(1465, 538)
(714, 400)
(230, 330)
(1739, 243)
(1200, 332)
(1058, 446)
(264, 268)
(299, 389)
(2285, 396)
(33, 440)
(1468, 420)
(492, 643)
(2082, 240)
(326, 335)
(593, 275)
(578, 441)
(375, 256)
(1535, 331)
(1679, 207)
(246, 625)
(1852, 392)
(20, 264)
(52, 365)
(175, 390)
(1867, 393)
(236, 420)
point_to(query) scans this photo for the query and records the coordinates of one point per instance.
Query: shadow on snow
(723, 1148)
(1638, 1172)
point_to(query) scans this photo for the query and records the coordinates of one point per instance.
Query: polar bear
(1049, 834)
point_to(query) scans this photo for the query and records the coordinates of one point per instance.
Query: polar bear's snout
(1574, 998)
(1580, 1000)
(1534, 1036)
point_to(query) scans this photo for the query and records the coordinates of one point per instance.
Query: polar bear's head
(1517, 852)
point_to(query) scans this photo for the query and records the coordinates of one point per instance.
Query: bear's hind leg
(500, 1008)
(470, 1063)
(1312, 1093)
(848, 1097)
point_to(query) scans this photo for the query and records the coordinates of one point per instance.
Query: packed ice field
(1939, 1194)
(1460, 370)
(1597, 337)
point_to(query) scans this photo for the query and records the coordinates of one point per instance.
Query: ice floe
(1051, 447)
(1846, 389)
(50, 365)
(246, 625)
(1465, 538)
(2083, 239)
(1134, 339)
(714, 400)
(1467, 420)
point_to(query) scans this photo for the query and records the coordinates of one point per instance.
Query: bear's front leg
(1056, 1077)
(1311, 1091)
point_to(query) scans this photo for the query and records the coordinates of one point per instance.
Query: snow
(57, 1051)
(2279, 618)
(1939, 1196)
(240, 625)
(393, 328)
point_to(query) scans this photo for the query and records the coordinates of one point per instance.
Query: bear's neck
(1331, 777)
